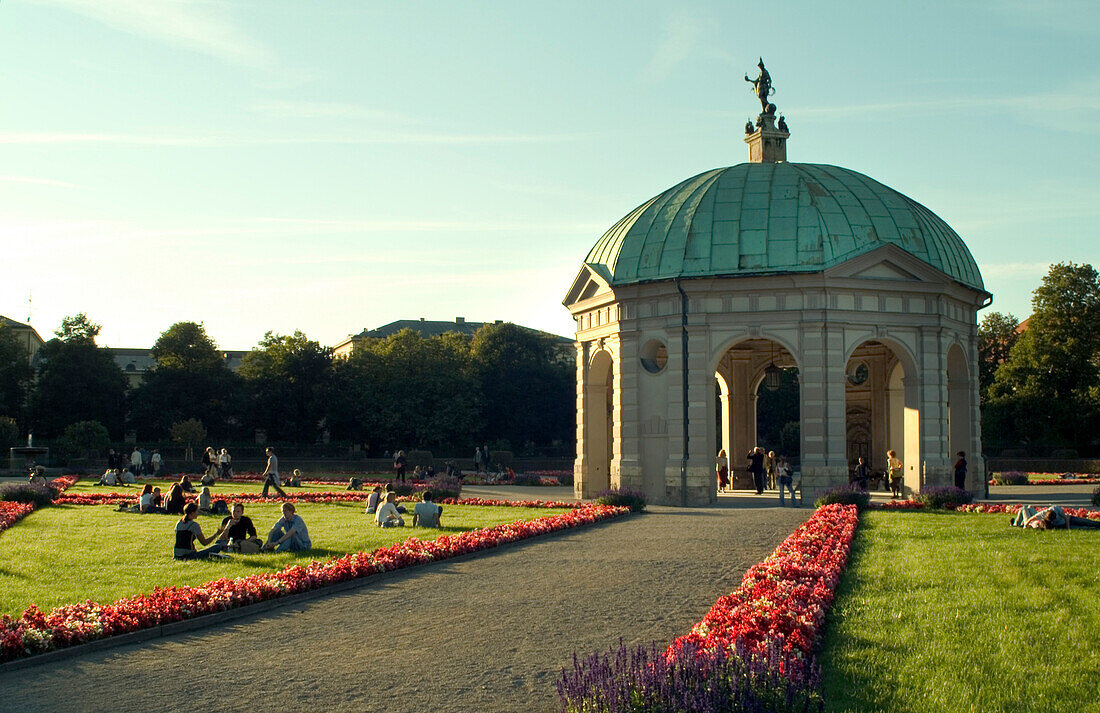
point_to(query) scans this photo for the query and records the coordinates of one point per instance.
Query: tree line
(506, 385)
(1040, 382)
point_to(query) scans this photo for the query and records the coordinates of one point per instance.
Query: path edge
(227, 615)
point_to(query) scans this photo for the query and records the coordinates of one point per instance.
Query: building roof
(141, 360)
(760, 218)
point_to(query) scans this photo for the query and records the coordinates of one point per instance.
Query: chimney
(460, 320)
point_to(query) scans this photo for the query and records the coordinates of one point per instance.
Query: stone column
(935, 461)
(626, 467)
(824, 405)
(581, 462)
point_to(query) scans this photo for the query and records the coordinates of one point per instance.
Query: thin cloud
(38, 181)
(197, 26)
(327, 110)
(1014, 269)
(215, 140)
(1078, 107)
(679, 41)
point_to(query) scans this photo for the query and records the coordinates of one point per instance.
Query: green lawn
(960, 612)
(68, 553)
(220, 490)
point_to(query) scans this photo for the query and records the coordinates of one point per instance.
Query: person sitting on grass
(426, 513)
(173, 504)
(295, 479)
(373, 499)
(187, 531)
(289, 534)
(270, 475)
(145, 500)
(206, 501)
(387, 513)
(185, 484)
(389, 489)
(239, 532)
(1052, 518)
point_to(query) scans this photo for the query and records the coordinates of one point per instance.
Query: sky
(336, 165)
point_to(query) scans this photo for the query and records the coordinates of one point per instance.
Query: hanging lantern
(771, 377)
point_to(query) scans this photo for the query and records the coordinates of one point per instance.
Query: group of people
(127, 469)
(768, 471)
(216, 464)
(238, 534)
(387, 513)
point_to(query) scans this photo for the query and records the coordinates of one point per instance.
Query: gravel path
(488, 633)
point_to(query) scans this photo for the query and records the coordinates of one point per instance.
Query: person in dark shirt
(174, 502)
(960, 471)
(756, 468)
(238, 530)
(862, 474)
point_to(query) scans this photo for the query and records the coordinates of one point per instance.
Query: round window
(654, 356)
(858, 373)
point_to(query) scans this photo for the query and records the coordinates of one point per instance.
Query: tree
(419, 392)
(83, 438)
(527, 385)
(186, 345)
(15, 374)
(189, 432)
(189, 380)
(997, 333)
(286, 379)
(77, 328)
(77, 381)
(1048, 387)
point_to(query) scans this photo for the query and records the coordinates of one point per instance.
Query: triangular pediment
(886, 270)
(588, 284)
(888, 262)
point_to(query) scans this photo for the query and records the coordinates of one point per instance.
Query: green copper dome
(757, 218)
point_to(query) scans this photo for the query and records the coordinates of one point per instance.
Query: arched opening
(599, 423)
(959, 416)
(882, 412)
(757, 403)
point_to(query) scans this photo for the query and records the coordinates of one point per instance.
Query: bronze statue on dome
(762, 87)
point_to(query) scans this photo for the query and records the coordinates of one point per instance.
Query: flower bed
(13, 512)
(988, 508)
(1050, 479)
(768, 626)
(36, 631)
(338, 496)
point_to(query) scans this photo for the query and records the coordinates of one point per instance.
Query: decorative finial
(748, 127)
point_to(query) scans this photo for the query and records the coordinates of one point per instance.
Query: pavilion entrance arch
(740, 371)
(883, 409)
(598, 436)
(960, 411)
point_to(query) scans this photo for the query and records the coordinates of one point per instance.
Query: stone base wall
(701, 486)
(817, 479)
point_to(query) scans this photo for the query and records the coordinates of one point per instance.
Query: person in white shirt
(373, 499)
(387, 515)
(135, 462)
(155, 460)
(271, 474)
(426, 513)
(223, 461)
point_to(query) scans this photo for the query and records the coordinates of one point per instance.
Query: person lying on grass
(239, 533)
(387, 515)
(187, 531)
(1052, 518)
(426, 513)
(289, 534)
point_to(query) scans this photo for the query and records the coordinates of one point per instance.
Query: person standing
(399, 463)
(135, 462)
(477, 460)
(893, 472)
(155, 461)
(722, 468)
(863, 473)
(271, 473)
(756, 468)
(960, 471)
(223, 462)
(769, 469)
(786, 480)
